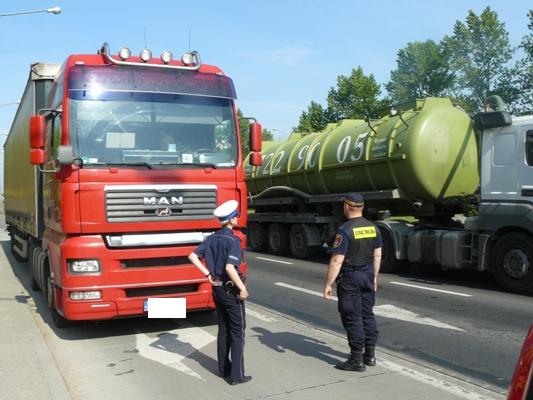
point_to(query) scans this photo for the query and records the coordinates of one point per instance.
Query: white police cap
(227, 210)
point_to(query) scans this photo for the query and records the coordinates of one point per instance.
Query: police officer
(354, 265)
(223, 254)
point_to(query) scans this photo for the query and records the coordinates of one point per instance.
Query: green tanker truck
(430, 161)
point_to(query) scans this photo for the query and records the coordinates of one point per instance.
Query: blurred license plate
(166, 307)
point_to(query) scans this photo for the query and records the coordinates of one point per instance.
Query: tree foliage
(356, 96)
(422, 70)
(478, 51)
(312, 120)
(523, 73)
(244, 125)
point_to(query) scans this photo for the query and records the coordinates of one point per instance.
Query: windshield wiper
(136, 164)
(200, 165)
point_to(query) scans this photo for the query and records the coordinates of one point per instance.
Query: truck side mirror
(65, 155)
(256, 137)
(37, 130)
(37, 156)
(256, 159)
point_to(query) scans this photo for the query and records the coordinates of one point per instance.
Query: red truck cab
(135, 154)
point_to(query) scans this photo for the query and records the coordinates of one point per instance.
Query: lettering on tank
(311, 156)
(356, 152)
(301, 156)
(379, 148)
(277, 163)
(364, 232)
(266, 163)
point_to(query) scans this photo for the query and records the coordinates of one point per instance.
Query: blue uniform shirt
(219, 249)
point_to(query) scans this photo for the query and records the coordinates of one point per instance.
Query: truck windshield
(132, 129)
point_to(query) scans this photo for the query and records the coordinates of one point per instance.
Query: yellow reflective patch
(364, 232)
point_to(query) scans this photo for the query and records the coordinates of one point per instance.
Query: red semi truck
(113, 167)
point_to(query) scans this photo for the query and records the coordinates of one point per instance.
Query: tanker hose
(265, 192)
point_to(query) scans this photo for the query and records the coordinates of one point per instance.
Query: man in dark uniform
(223, 254)
(354, 265)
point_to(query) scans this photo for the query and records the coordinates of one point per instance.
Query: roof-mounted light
(187, 58)
(166, 56)
(124, 53)
(146, 55)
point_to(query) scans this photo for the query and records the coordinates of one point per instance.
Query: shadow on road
(303, 345)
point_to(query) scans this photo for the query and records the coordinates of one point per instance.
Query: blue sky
(280, 54)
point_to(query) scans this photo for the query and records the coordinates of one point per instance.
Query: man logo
(163, 212)
(163, 201)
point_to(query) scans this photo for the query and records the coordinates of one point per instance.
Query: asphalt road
(468, 329)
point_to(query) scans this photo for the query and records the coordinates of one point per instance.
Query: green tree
(524, 73)
(478, 52)
(356, 96)
(312, 120)
(422, 70)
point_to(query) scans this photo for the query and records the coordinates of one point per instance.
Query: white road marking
(386, 310)
(456, 389)
(273, 260)
(258, 315)
(390, 311)
(431, 289)
(173, 347)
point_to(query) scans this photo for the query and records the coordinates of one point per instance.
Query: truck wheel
(389, 262)
(33, 263)
(58, 320)
(257, 236)
(512, 263)
(278, 239)
(298, 243)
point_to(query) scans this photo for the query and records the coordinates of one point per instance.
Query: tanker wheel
(58, 320)
(278, 239)
(298, 243)
(257, 236)
(389, 263)
(512, 263)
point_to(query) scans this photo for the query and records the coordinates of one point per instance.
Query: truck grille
(160, 202)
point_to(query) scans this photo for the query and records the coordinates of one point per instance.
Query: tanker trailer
(422, 160)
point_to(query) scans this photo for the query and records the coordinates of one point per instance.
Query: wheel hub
(516, 263)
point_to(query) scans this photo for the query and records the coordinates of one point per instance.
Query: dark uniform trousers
(355, 290)
(231, 325)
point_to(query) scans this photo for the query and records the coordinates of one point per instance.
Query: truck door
(499, 178)
(526, 167)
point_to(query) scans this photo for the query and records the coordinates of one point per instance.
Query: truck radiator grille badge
(145, 204)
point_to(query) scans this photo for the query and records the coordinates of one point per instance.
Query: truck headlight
(84, 267)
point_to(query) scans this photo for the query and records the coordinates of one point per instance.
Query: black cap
(354, 199)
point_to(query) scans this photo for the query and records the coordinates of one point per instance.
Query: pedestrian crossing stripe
(364, 232)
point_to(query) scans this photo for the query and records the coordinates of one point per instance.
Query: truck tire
(257, 236)
(512, 263)
(278, 239)
(298, 243)
(389, 263)
(58, 320)
(33, 262)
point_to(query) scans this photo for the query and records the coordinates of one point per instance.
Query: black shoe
(244, 379)
(354, 363)
(369, 356)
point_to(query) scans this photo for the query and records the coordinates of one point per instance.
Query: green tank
(427, 153)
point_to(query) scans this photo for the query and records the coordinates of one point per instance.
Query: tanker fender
(398, 232)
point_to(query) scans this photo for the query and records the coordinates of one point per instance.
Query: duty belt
(354, 267)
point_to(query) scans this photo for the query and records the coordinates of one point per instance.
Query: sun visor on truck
(113, 78)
